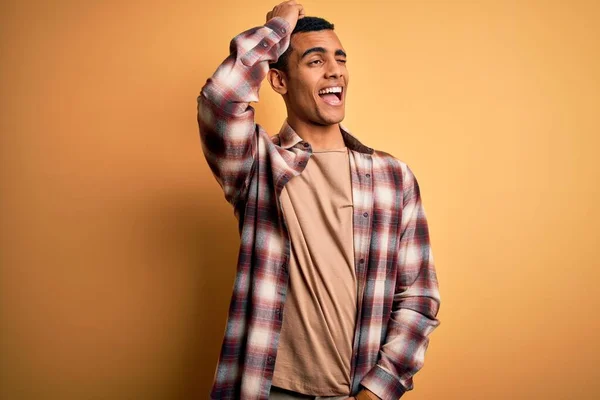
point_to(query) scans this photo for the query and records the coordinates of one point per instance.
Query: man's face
(317, 64)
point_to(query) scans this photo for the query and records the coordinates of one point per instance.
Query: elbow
(424, 301)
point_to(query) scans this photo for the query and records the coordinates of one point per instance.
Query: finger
(300, 11)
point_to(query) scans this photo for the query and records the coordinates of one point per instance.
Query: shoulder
(393, 169)
(384, 161)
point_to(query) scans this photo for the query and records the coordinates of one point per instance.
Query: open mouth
(332, 95)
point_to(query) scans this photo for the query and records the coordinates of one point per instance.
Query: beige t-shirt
(315, 347)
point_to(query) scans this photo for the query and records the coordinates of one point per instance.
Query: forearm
(237, 80)
(403, 353)
(415, 305)
(225, 118)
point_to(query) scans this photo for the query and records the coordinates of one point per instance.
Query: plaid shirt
(397, 285)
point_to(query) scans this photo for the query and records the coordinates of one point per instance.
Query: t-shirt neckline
(338, 150)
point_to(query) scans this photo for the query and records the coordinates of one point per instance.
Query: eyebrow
(322, 50)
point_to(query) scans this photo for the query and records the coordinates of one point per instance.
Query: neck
(320, 137)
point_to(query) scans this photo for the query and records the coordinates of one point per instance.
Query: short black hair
(306, 24)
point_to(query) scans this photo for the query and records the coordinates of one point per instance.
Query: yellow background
(118, 249)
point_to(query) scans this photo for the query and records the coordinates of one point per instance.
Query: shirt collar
(289, 138)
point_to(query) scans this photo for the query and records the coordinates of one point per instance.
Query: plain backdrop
(118, 250)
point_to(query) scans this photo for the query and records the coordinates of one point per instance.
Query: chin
(331, 119)
(327, 122)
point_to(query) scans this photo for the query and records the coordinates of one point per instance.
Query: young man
(336, 291)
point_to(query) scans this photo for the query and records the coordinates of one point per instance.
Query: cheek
(307, 83)
(304, 86)
(306, 94)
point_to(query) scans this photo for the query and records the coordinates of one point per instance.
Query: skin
(317, 61)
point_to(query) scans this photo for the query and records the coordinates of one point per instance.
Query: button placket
(364, 195)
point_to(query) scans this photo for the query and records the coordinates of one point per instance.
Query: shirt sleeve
(228, 131)
(415, 306)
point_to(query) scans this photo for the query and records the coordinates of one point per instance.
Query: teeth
(336, 89)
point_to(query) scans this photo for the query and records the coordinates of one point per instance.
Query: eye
(342, 61)
(315, 62)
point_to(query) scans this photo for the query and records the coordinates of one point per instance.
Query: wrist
(279, 25)
(366, 394)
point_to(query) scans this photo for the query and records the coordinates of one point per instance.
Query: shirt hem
(296, 386)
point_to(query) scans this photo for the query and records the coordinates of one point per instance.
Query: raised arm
(415, 306)
(228, 131)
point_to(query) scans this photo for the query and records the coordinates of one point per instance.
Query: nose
(333, 70)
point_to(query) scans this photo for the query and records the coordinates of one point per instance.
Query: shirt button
(368, 175)
(362, 260)
(271, 360)
(306, 144)
(283, 30)
(264, 44)
(365, 215)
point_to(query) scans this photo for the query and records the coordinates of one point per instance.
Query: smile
(332, 95)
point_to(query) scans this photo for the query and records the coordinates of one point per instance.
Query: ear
(278, 81)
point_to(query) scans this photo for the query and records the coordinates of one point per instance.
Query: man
(336, 291)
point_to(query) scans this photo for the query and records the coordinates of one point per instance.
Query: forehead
(306, 40)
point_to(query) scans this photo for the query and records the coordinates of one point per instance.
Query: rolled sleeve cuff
(383, 384)
(272, 45)
(280, 26)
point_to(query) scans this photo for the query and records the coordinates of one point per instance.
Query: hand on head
(290, 10)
